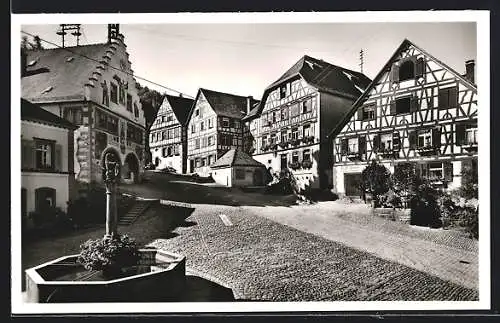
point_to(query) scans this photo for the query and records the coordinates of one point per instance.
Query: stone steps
(139, 208)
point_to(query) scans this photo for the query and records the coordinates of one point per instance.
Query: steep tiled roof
(236, 157)
(59, 74)
(326, 77)
(225, 104)
(253, 113)
(33, 112)
(181, 107)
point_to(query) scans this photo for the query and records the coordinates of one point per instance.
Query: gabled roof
(323, 76)
(253, 113)
(180, 106)
(236, 157)
(386, 68)
(33, 112)
(224, 104)
(59, 74)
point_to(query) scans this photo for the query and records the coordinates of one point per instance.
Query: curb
(195, 272)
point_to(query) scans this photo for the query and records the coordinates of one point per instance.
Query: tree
(375, 180)
(37, 42)
(405, 181)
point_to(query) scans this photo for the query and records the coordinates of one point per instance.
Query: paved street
(326, 251)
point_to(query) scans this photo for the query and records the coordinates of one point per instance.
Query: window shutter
(414, 104)
(412, 137)
(460, 134)
(436, 137)
(28, 154)
(443, 99)
(448, 171)
(396, 141)
(394, 76)
(393, 107)
(362, 145)
(376, 142)
(453, 97)
(58, 158)
(360, 113)
(420, 68)
(343, 146)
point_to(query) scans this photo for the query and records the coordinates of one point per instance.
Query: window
(197, 143)
(163, 135)
(284, 136)
(235, 141)
(114, 93)
(432, 171)
(169, 151)
(121, 94)
(284, 113)
(424, 138)
(283, 91)
(210, 123)
(136, 110)
(236, 124)
(386, 141)
(169, 118)
(225, 122)
(106, 122)
(129, 102)
(368, 112)
(193, 128)
(210, 140)
(44, 154)
(307, 106)
(403, 105)
(204, 142)
(273, 117)
(352, 145)
(306, 155)
(448, 98)
(295, 157)
(170, 133)
(164, 152)
(176, 150)
(294, 110)
(471, 134)
(240, 173)
(264, 141)
(406, 71)
(197, 112)
(295, 133)
(272, 139)
(306, 131)
(73, 115)
(210, 159)
(176, 132)
(202, 126)
(134, 134)
(105, 95)
(198, 162)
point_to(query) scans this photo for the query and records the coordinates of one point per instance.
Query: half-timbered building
(290, 126)
(168, 134)
(214, 127)
(417, 110)
(93, 87)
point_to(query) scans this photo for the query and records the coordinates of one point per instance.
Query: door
(352, 183)
(284, 162)
(191, 165)
(24, 202)
(257, 177)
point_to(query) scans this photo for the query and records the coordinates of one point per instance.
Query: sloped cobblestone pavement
(263, 260)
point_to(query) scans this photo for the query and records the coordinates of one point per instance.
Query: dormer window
(367, 112)
(284, 90)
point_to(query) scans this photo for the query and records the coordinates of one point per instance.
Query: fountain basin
(159, 276)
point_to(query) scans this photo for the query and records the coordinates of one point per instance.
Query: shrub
(425, 209)
(469, 188)
(105, 253)
(405, 181)
(390, 200)
(375, 180)
(457, 211)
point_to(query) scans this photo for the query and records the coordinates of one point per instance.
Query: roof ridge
(66, 47)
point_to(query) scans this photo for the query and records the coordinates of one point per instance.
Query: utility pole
(361, 52)
(70, 27)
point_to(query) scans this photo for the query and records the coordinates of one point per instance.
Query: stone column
(110, 172)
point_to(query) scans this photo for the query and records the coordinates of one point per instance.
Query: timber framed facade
(417, 110)
(289, 129)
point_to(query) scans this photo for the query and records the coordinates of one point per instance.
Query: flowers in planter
(284, 144)
(308, 139)
(294, 165)
(105, 253)
(265, 147)
(295, 142)
(307, 164)
(273, 146)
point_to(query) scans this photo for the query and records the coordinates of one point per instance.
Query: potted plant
(109, 255)
(284, 144)
(307, 164)
(308, 139)
(295, 142)
(294, 165)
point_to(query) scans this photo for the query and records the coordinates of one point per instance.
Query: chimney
(180, 95)
(469, 70)
(249, 103)
(24, 59)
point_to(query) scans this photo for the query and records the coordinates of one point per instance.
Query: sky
(245, 58)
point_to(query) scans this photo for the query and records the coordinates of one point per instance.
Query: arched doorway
(131, 168)
(116, 158)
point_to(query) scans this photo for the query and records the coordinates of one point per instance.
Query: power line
(115, 68)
